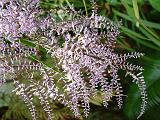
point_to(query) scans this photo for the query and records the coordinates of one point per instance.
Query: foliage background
(139, 32)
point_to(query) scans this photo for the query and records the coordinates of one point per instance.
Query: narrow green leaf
(139, 38)
(129, 9)
(84, 2)
(151, 24)
(136, 11)
(125, 29)
(124, 45)
(153, 39)
(149, 30)
(147, 23)
(27, 42)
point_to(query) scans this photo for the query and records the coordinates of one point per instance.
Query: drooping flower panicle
(86, 60)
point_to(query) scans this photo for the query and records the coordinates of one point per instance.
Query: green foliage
(132, 18)
(14, 108)
(155, 4)
(4, 91)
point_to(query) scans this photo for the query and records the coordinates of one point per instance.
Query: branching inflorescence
(86, 59)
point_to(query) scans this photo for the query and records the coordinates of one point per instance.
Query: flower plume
(86, 58)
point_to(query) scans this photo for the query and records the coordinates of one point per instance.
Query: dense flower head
(86, 60)
(20, 18)
(89, 48)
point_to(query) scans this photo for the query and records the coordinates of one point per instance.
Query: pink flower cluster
(86, 61)
(20, 18)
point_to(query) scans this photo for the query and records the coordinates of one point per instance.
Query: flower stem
(84, 2)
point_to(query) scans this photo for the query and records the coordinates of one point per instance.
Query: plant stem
(84, 2)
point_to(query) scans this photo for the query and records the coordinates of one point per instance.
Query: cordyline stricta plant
(83, 49)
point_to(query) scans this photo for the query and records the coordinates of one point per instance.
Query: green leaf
(6, 88)
(147, 23)
(27, 42)
(136, 11)
(129, 9)
(155, 4)
(3, 103)
(97, 100)
(139, 38)
(156, 41)
(113, 2)
(5, 91)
